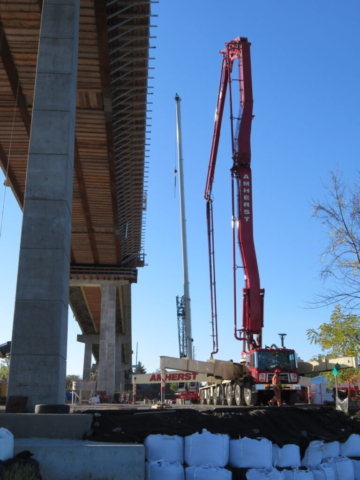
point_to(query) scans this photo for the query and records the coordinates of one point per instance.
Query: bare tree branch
(339, 212)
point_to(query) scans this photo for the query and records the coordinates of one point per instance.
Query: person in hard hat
(276, 384)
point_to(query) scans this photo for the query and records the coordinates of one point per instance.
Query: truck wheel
(222, 400)
(229, 395)
(57, 408)
(216, 394)
(202, 397)
(223, 395)
(291, 398)
(251, 397)
(238, 394)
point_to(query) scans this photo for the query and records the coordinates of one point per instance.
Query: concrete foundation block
(77, 460)
(47, 426)
(39, 377)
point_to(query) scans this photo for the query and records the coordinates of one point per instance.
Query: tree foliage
(140, 368)
(69, 380)
(339, 212)
(339, 338)
(174, 386)
(4, 367)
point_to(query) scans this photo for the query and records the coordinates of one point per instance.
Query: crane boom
(242, 209)
(249, 381)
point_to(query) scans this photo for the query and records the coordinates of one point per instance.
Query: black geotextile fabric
(280, 425)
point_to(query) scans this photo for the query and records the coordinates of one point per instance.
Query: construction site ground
(122, 429)
(282, 425)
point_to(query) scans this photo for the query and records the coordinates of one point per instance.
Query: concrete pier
(120, 367)
(38, 355)
(106, 380)
(87, 361)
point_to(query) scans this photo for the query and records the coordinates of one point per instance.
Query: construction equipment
(249, 381)
(183, 302)
(255, 381)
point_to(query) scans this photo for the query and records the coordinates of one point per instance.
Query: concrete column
(118, 362)
(38, 354)
(87, 361)
(106, 379)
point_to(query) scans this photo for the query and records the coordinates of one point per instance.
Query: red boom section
(242, 193)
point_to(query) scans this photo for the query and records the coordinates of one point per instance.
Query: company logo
(174, 377)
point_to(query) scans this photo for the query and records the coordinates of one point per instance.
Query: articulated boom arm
(241, 195)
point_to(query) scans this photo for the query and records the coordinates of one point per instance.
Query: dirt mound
(280, 425)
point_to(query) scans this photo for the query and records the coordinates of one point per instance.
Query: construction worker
(276, 383)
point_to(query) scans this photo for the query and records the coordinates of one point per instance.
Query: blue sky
(306, 73)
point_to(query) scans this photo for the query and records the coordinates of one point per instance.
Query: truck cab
(261, 364)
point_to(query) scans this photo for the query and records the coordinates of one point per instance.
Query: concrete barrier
(77, 460)
(31, 425)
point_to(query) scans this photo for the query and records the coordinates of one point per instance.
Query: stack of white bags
(206, 455)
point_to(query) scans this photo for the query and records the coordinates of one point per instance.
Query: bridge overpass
(73, 137)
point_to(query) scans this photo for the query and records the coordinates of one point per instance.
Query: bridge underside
(109, 191)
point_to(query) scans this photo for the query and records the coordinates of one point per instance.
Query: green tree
(339, 338)
(69, 380)
(140, 368)
(174, 386)
(339, 212)
(4, 367)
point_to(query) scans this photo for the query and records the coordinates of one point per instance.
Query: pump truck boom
(249, 381)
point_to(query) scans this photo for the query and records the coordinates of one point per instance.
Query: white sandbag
(331, 450)
(356, 465)
(323, 472)
(296, 474)
(169, 448)
(6, 444)
(207, 472)
(313, 454)
(248, 453)
(287, 456)
(207, 449)
(351, 448)
(343, 468)
(164, 471)
(264, 474)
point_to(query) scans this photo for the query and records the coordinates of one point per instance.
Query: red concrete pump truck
(249, 381)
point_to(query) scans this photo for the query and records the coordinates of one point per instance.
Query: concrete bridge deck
(107, 200)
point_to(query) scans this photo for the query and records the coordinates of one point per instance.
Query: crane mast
(183, 303)
(241, 189)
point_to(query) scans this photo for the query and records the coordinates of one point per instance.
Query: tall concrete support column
(106, 380)
(87, 361)
(38, 353)
(119, 382)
